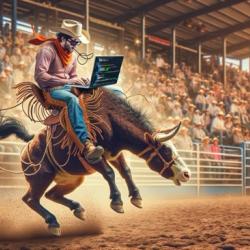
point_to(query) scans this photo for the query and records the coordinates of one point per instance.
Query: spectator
(170, 122)
(206, 121)
(185, 105)
(198, 133)
(213, 109)
(210, 97)
(218, 126)
(186, 122)
(177, 111)
(183, 140)
(234, 109)
(237, 137)
(3, 50)
(243, 113)
(215, 149)
(198, 118)
(228, 127)
(221, 107)
(200, 100)
(206, 157)
(190, 112)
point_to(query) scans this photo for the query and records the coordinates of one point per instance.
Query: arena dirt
(211, 223)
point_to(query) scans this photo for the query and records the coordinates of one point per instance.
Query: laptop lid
(106, 70)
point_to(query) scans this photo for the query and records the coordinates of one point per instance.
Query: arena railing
(220, 170)
(10, 160)
(230, 168)
(246, 159)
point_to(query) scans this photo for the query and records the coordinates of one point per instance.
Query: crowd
(207, 109)
(211, 114)
(15, 66)
(204, 106)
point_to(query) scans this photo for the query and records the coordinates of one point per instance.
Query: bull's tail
(9, 126)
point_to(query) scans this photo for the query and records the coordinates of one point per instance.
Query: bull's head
(162, 156)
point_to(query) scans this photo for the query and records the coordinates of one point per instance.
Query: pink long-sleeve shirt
(49, 70)
(216, 149)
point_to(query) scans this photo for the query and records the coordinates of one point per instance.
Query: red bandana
(66, 57)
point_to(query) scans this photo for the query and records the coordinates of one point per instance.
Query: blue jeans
(75, 112)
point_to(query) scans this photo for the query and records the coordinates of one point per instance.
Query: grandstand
(188, 60)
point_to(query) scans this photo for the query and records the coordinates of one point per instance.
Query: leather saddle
(28, 90)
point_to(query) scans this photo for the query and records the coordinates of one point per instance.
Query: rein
(155, 153)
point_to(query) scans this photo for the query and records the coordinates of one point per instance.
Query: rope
(139, 95)
(30, 163)
(51, 155)
(11, 107)
(83, 56)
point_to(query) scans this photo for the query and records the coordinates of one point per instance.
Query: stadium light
(137, 41)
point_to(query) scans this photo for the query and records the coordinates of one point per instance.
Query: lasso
(30, 163)
(47, 152)
(52, 158)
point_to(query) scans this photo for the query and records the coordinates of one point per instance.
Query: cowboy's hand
(82, 81)
(85, 80)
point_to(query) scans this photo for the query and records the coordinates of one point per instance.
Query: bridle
(154, 153)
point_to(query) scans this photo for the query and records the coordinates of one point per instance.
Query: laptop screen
(106, 70)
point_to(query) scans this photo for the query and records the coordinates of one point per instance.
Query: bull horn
(168, 134)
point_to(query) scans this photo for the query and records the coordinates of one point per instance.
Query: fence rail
(229, 167)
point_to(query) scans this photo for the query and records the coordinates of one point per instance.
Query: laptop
(106, 71)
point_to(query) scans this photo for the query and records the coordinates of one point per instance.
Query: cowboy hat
(186, 119)
(228, 116)
(221, 113)
(74, 29)
(206, 138)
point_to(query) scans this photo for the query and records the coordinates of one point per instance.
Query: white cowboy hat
(74, 29)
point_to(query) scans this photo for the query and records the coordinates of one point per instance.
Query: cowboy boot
(92, 153)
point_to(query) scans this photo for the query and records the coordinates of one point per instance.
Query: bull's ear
(150, 140)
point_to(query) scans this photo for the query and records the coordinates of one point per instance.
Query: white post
(244, 167)
(143, 44)
(198, 169)
(87, 22)
(173, 49)
(224, 62)
(199, 59)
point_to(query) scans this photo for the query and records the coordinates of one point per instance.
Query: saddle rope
(47, 152)
(51, 156)
(30, 163)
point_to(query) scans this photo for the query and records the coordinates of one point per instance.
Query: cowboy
(55, 71)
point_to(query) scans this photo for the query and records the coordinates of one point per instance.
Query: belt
(54, 88)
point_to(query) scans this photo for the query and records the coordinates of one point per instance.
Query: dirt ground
(210, 223)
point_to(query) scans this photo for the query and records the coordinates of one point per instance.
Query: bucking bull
(45, 160)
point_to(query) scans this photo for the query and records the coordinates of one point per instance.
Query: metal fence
(225, 171)
(211, 172)
(10, 160)
(246, 163)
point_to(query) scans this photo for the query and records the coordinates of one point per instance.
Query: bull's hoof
(80, 213)
(55, 230)
(136, 202)
(117, 207)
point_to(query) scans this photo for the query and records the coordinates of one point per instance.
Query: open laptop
(106, 71)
